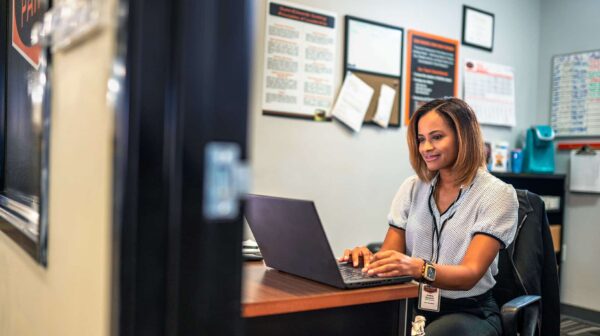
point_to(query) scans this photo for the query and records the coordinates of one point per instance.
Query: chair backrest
(509, 283)
(528, 265)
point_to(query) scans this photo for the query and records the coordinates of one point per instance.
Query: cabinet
(551, 187)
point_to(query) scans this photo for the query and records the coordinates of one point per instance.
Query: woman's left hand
(392, 263)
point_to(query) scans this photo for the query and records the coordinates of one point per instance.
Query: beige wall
(71, 296)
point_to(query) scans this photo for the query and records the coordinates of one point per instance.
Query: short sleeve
(498, 214)
(398, 215)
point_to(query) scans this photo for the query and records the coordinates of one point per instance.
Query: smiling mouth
(429, 158)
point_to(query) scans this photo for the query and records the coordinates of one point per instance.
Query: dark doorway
(186, 85)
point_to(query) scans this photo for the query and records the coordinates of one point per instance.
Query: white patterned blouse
(488, 206)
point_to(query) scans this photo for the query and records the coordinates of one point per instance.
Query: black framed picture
(478, 28)
(24, 125)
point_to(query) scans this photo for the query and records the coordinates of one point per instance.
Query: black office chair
(527, 281)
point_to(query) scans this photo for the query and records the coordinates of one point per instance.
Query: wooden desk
(276, 303)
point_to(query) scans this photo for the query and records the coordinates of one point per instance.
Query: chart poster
(299, 61)
(490, 90)
(433, 69)
(576, 94)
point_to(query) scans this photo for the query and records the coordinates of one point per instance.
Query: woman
(447, 223)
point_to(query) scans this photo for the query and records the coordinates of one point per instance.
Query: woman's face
(437, 141)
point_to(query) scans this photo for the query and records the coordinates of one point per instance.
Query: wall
(571, 26)
(353, 177)
(71, 296)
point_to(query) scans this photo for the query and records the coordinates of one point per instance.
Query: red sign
(25, 14)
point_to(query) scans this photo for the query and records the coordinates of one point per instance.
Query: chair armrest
(518, 303)
(530, 305)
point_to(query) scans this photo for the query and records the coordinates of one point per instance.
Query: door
(182, 84)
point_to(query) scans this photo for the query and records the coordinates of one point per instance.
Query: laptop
(291, 239)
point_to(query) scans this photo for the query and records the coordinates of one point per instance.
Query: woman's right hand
(356, 254)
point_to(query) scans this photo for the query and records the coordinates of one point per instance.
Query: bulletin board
(374, 53)
(575, 104)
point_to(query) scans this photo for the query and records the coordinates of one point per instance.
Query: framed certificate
(478, 28)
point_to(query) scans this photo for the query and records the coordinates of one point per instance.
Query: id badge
(429, 298)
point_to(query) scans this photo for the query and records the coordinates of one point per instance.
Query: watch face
(430, 273)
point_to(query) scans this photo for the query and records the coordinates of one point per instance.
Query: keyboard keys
(351, 273)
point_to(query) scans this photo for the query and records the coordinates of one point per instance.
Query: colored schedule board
(576, 94)
(433, 69)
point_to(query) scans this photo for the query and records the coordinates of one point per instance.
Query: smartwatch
(428, 272)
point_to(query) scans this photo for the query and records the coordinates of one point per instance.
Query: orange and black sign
(25, 14)
(432, 69)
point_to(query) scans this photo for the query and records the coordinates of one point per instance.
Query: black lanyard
(435, 232)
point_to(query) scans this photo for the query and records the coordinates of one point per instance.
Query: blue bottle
(516, 160)
(539, 150)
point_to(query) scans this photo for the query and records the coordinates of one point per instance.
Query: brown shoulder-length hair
(461, 118)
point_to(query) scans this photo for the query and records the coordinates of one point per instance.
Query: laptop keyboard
(351, 273)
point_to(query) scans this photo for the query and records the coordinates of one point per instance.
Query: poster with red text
(25, 13)
(432, 69)
(299, 61)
